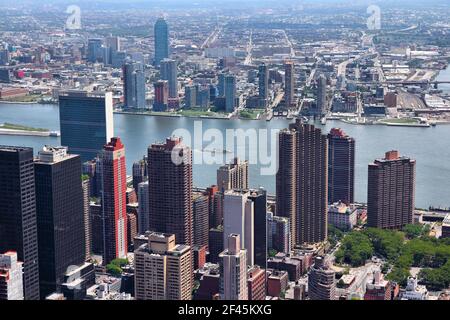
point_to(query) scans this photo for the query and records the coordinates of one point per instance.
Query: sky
(217, 4)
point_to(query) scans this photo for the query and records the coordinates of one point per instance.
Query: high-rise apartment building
(201, 219)
(341, 167)
(170, 189)
(289, 83)
(302, 181)
(60, 216)
(190, 96)
(18, 226)
(161, 33)
(230, 93)
(86, 122)
(169, 72)
(321, 281)
(233, 176)
(85, 186)
(114, 214)
(139, 173)
(11, 277)
(163, 269)
(134, 85)
(278, 233)
(391, 191)
(238, 211)
(161, 101)
(263, 83)
(233, 270)
(322, 103)
(143, 211)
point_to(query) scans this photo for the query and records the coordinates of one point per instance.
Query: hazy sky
(174, 4)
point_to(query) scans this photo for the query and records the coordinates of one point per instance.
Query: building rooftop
(446, 221)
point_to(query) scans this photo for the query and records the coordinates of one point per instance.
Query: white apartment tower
(233, 273)
(238, 218)
(163, 269)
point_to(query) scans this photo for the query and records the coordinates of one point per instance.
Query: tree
(272, 253)
(114, 270)
(413, 230)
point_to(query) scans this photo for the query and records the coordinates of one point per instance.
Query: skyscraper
(161, 40)
(289, 83)
(18, 226)
(391, 191)
(302, 181)
(168, 70)
(134, 85)
(163, 269)
(230, 93)
(11, 277)
(60, 216)
(143, 212)
(201, 219)
(233, 270)
(278, 233)
(263, 83)
(94, 50)
(233, 176)
(85, 185)
(161, 101)
(321, 281)
(341, 167)
(322, 105)
(170, 189)
(259, 198)
(86, 122)
(215, 244)
(238, 218)
(113, 43)
(139, 173)
(221, 84)
(114, 215)
(190, 96)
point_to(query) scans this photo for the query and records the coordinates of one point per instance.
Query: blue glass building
(86, 122)
(161, 41)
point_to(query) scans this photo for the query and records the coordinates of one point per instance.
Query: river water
(429, 146)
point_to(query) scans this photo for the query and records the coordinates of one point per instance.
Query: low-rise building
(414, 291)
(446, 227)
(11, 277)
(378, 288)
(277, 282)
(342, 216)
(256, 283)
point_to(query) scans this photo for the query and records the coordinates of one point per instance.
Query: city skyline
(243, 151)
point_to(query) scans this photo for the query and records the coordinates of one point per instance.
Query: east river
(429, 146)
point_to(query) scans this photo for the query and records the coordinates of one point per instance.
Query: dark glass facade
(18, 228)
(60, 219)
(259, 199)
(86, 123)
(161, 41)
